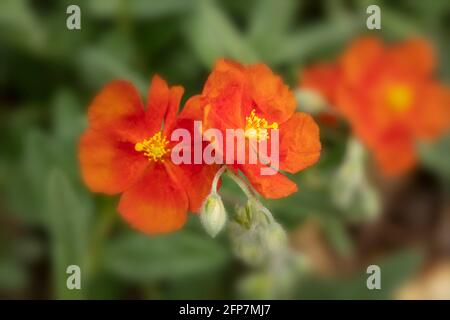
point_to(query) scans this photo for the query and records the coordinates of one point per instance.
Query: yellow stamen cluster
(154, 148)
(256, 127)
(399, 98)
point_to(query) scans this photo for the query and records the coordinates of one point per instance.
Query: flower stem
(216, 178)
(244, 187)
(251, 194)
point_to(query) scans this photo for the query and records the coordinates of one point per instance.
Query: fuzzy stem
(216, 178)
(244, 187)
(250, 193)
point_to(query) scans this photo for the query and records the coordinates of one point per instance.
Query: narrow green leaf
(302, 43)
(137, 9)
(140, 258)
(212, 35)
(269, 23)
(68, 226)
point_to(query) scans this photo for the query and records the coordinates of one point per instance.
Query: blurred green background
(48, 219)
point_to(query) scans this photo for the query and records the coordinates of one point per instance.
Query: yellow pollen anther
(154, 148)
(399, 98)
(257, 127)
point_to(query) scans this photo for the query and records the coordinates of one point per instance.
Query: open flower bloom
(126, 149)
(255, 100)
(388, 95)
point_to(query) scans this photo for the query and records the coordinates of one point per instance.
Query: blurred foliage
(49, 74)
(395, 271)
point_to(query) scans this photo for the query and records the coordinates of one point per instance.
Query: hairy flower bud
(275, 237)
(255, 235)
(213, 215)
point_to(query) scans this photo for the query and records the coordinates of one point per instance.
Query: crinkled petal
(223, 93)
(197, 181)
(118, 109)
(156, 203)
(273, 99)
(299, 143)
(195, 178)
(269, 186)
(109, 164)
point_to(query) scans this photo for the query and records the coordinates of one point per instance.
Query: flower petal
(175, 94)
(414, 56)
(157, 103)
(323, 78)
(299, 143)
(395, 153)
(196, 178)
(118, 108)
(193, 109)
(434, 119)
(273, 99)
(361, 58)
(108, 164)
(223, 94)
(156, 203)
(269, 186)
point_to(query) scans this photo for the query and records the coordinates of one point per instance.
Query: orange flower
(388, 95)
(252, 97)
(126, 150)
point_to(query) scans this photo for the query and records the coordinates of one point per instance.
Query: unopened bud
(255, 235)
(213, 215)
(247, 243)
(275, 237)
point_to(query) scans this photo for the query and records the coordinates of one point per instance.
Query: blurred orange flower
(252, 97)
(388, 95)
(126, 150)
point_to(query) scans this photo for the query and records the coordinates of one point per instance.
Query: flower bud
(255, 235)
(213, 215)
(275, 237)
(247, 243)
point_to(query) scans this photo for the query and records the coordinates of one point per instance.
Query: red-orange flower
(252, 97)
(388, 95)
(126, 149)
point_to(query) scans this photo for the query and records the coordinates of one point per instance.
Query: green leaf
(67, 219)
(269, 23)
(337, 236)
(399, 25)
(437, 157)
(137, 9)
(29, 177)
(13, 275)
(302, 43)
(68, 118)
(98, 66)
(313, 194)
(20, 26)
(138, 258)
(213, 36)
(395, 270)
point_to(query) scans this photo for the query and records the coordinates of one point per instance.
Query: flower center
(256, 127)
(399, 98)
(153, 148)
